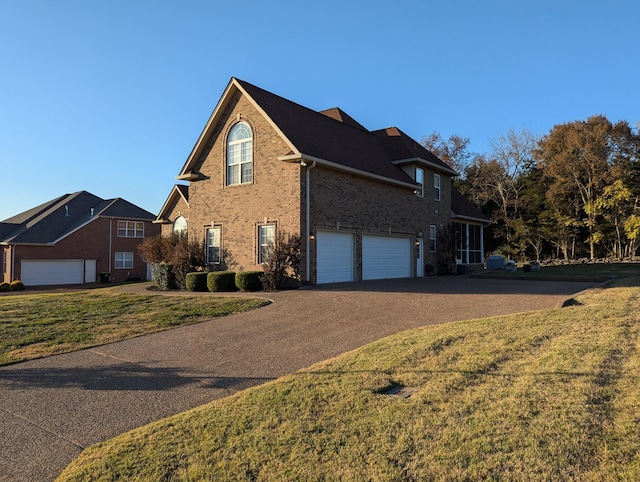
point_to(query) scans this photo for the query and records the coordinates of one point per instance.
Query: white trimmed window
(266, 241)
(240, 154)
(213, 245)
(432, 238)
(130, 229)
(180, 225)
(124, 260)
(436, 187)
(420, 180)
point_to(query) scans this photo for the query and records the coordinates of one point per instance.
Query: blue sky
(109, 96)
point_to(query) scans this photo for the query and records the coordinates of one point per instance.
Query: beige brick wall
(363, 206)
(273, 197)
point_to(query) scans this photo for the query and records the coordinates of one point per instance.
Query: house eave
(484, 222)
(350, 170)
(190, 176)
(424, 162)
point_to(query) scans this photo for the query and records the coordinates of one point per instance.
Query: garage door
(385, 257)
(52, 272)
(335, 257)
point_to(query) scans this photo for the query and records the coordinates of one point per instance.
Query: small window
(436, 187)
(124, 260)
(420, 180)
(4, 261)
(180, 225)
(266, 241)
(213, 245)
(130, 229)
(432, 238)
(240, 155)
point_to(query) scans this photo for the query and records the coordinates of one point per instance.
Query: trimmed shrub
(164, 277)
(5, 286)
(16, 285)
(221, 281)
(196, 281)
(249, 280)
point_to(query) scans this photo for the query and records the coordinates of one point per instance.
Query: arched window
(240, 154)
(180, 225)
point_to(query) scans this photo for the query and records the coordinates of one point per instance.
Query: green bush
(5, 286)
(249, 280)
(196, 281)
(164, 277)
(221, 281)
(16, 285)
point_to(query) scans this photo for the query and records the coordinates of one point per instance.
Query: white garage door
(52, 272)
(385, 257)
(335, 257)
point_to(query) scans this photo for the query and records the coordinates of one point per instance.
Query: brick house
(366, 204)
(73, 238)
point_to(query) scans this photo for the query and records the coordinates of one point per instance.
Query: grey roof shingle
(51, 221)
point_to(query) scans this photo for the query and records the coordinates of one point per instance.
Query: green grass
(552, 395)
(33, 326)
(573, 272)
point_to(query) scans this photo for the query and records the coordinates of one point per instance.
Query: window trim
(126, 231)
(247, 143)
(182, 231)
(261, 245)
(420, 191)
(432, 238)
(437, 187)
(124, 261)
(207, 246)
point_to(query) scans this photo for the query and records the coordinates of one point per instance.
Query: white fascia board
(424, 162)
(351, 170)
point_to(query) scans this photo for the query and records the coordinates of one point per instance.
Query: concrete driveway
(50, 409)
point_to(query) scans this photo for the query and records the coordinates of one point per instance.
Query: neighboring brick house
(74, 238)
(366, 204)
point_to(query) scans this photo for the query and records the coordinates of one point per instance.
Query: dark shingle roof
(461, 207)
(57, 218)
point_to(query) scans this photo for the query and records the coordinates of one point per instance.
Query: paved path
(50, 409)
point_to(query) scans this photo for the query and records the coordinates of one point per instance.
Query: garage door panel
(52, 272)
(385, 257)
(335, 256)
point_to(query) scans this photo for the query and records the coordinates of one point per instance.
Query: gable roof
(462, 208)
(56, 219)
(332, 138)
(179, 191)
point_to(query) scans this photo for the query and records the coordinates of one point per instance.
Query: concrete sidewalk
(52, 408)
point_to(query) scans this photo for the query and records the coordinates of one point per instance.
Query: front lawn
(551, 395)
(34, 326)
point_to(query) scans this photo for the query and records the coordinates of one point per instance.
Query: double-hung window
(124, 260)
(420, 180)
(213, 245)
(436, 187)
(432, 238)
(266, 241)
(130, 229)
(240, 154)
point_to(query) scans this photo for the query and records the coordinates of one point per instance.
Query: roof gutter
(342, 167)
(423, 161)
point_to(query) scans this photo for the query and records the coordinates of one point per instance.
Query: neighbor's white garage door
(385, 257)
(52, 272)
(335, 256)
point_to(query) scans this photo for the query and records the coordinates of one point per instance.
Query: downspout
(307, 214)
(110, 238)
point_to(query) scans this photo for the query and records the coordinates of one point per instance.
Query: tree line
(571, 193)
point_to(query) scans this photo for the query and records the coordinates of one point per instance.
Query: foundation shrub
(196, 281)
(249, 280)
(221, 281)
